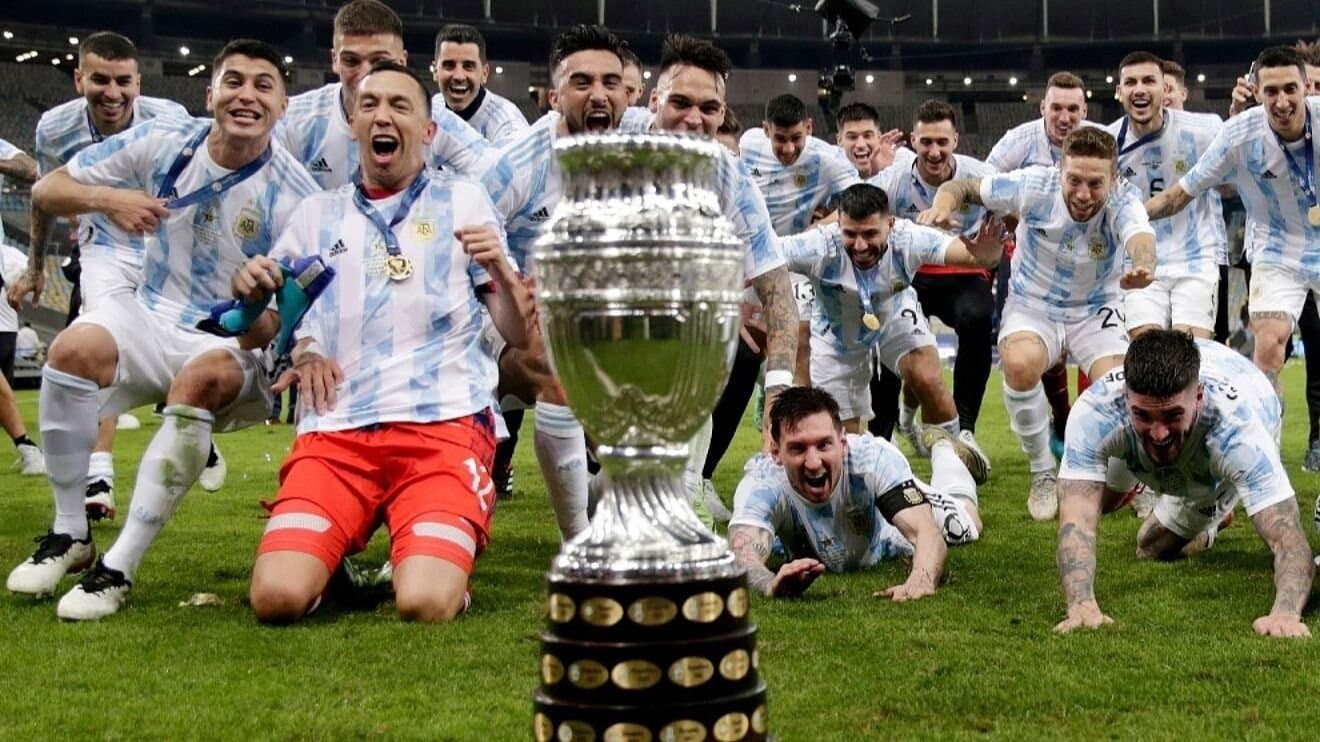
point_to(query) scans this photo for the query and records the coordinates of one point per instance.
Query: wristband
(778, 377)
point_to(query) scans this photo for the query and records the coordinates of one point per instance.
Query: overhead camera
(848, 20)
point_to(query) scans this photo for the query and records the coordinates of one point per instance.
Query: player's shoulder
(314, 100)
(867, 452)
(1250, 124)
(289, 171)
(1023, 132)
(62, 119)
(152, 107)
(971, 167)
(754, 142)
(636, 120)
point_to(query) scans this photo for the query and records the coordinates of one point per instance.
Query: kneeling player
(1201, 424)
(843, 502)
(396, 381)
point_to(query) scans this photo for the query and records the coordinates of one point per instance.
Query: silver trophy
(639, 282)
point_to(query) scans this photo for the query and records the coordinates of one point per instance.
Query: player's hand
(1083, 615)
(988, 247)
(936, 216)
(133, 211)
(1243, 96)
(317, 377)
(882, 156)
(1280, 625)
(914, 589)
(752, 327)
(31, 282)
(795, 577)
(482, 242)
(257, 280)
(1136, 277)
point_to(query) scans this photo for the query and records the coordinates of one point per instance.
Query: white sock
(66, 412)
(102, 466)
(949, 475)
(561, 450)
(173, 461)
(952, 427)
(907, 416)
(698, 447)
(1029, 417)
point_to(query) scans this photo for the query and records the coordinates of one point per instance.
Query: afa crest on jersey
(1097, 249)
(248, 224)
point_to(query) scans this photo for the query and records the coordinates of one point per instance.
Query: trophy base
(649, 660)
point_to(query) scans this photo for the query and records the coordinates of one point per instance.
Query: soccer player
(861, 141)
(400, 429)
(209, 194)
(633, 83)
(1039, 143)
(862, 268)
(1195, 421)
(843, 502)
(1074, 222)
(316, 129)
(1157, 146)
(1268, 155)
(960, 296)
(17, 165)
(461, 71)
(110, 101)
(1175, 85)
(798, 174)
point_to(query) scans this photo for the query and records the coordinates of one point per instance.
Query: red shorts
(428, 482)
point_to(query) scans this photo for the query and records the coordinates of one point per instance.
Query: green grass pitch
(977, 659)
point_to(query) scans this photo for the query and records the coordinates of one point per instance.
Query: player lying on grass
(844, 502)
(1199, 423)
(397, 383)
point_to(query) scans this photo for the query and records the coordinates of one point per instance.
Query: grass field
(976, 659)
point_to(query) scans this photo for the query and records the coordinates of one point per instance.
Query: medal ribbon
(1305, 180)
(863, 290)
(215, 187)
(1152, 136)
(387, 229)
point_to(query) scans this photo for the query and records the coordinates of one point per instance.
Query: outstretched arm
(751, 547)
(1281, 526)
(948, 199)
(1168, 202)
(1079, 511)
(929, 552)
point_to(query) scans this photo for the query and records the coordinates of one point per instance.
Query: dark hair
(389, 65)
(582, 38)
(862, 201)
(731, 126)
(857, 111)
(934, 111)
(1172, 69)
(460, 33)
(254, 49)
(785, 111)
(107, 45)
(629, 57)
(1161, 363)
(1090, 141)
(1141, 57)
(1065, 79)
(367, 18)
(1282, 56)
(797, 403)
(699, 53)
(1310, 52)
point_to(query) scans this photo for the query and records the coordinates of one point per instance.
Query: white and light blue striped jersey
(1064, 268)
(1234, 441)
(66, 130)
(636, 119)
(1247, 155)
(410, 350)
(315, 129)
(909, 195)
(526, 185)
(8, 151)
(192, 255)
(792, 193)
(494, 117)
(847, 532)
(1025, 145)
(819, 254)
(1192, 241)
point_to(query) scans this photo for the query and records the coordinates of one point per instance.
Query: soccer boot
(100, 499)
(57, 554)
(31, 462)
(100, 593)
(1043, 502)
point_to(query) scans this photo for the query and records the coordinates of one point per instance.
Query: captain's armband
(900, 498)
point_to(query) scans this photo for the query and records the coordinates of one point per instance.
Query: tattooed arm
(1168, 202)
(929, 552)
(1079, 511)
(775, 291)
(751, 547)
(1280, 525)
(948, 199)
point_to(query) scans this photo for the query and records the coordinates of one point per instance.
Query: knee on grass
(429, 604)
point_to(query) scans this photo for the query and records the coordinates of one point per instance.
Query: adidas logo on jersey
(319, 165)
(1129, 172)
(1269, 175)
(756, 172)
(541, 214)
(339, 248)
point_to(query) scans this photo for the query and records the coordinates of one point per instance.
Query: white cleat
(31, 461)
(976, 463)
(99, 499)
(1043, 502)
(57, 554)
(127, 422)
(718, 510)
(966, 438)
(213, 476)
(913, 435)
(100, 593)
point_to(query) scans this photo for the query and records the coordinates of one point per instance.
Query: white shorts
(951, 515)
(1189, 516)
(1088, 340)
(1274, 289)
(847, 375)
(103, 278)
(1189, 301)
(153, 350)
(804, 291)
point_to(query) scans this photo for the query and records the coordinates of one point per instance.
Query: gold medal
(398, 267)
(871, 321)
(1313, 216)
